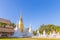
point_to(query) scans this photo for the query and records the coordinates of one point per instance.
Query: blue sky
(35, 12)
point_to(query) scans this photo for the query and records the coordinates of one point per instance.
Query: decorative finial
(20, 13)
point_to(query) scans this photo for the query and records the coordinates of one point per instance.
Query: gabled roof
(4, 21)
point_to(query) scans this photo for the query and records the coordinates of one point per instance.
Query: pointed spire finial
(20, 14)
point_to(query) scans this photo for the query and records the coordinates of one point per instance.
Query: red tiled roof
(4, 21)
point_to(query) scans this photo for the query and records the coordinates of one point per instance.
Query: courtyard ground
(29, 38)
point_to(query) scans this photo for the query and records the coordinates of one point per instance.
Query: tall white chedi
(19, 30)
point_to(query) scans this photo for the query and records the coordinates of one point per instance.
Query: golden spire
(21, 26)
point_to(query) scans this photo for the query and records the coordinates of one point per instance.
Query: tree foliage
(12, 24)
(2, 24)
(49, 28)
(34, 32)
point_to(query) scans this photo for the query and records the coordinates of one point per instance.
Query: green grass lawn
(29, 38)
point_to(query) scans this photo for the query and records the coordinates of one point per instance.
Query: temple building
(6, 28)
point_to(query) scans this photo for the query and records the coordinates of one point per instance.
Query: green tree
(12, 24)
(2, 24)
(49, 28)
(34, 32)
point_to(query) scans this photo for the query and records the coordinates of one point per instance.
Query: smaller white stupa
(53, 34)
(50, 35)
(38, 34)
(44, 34)
(58, 35)
(30, 31)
